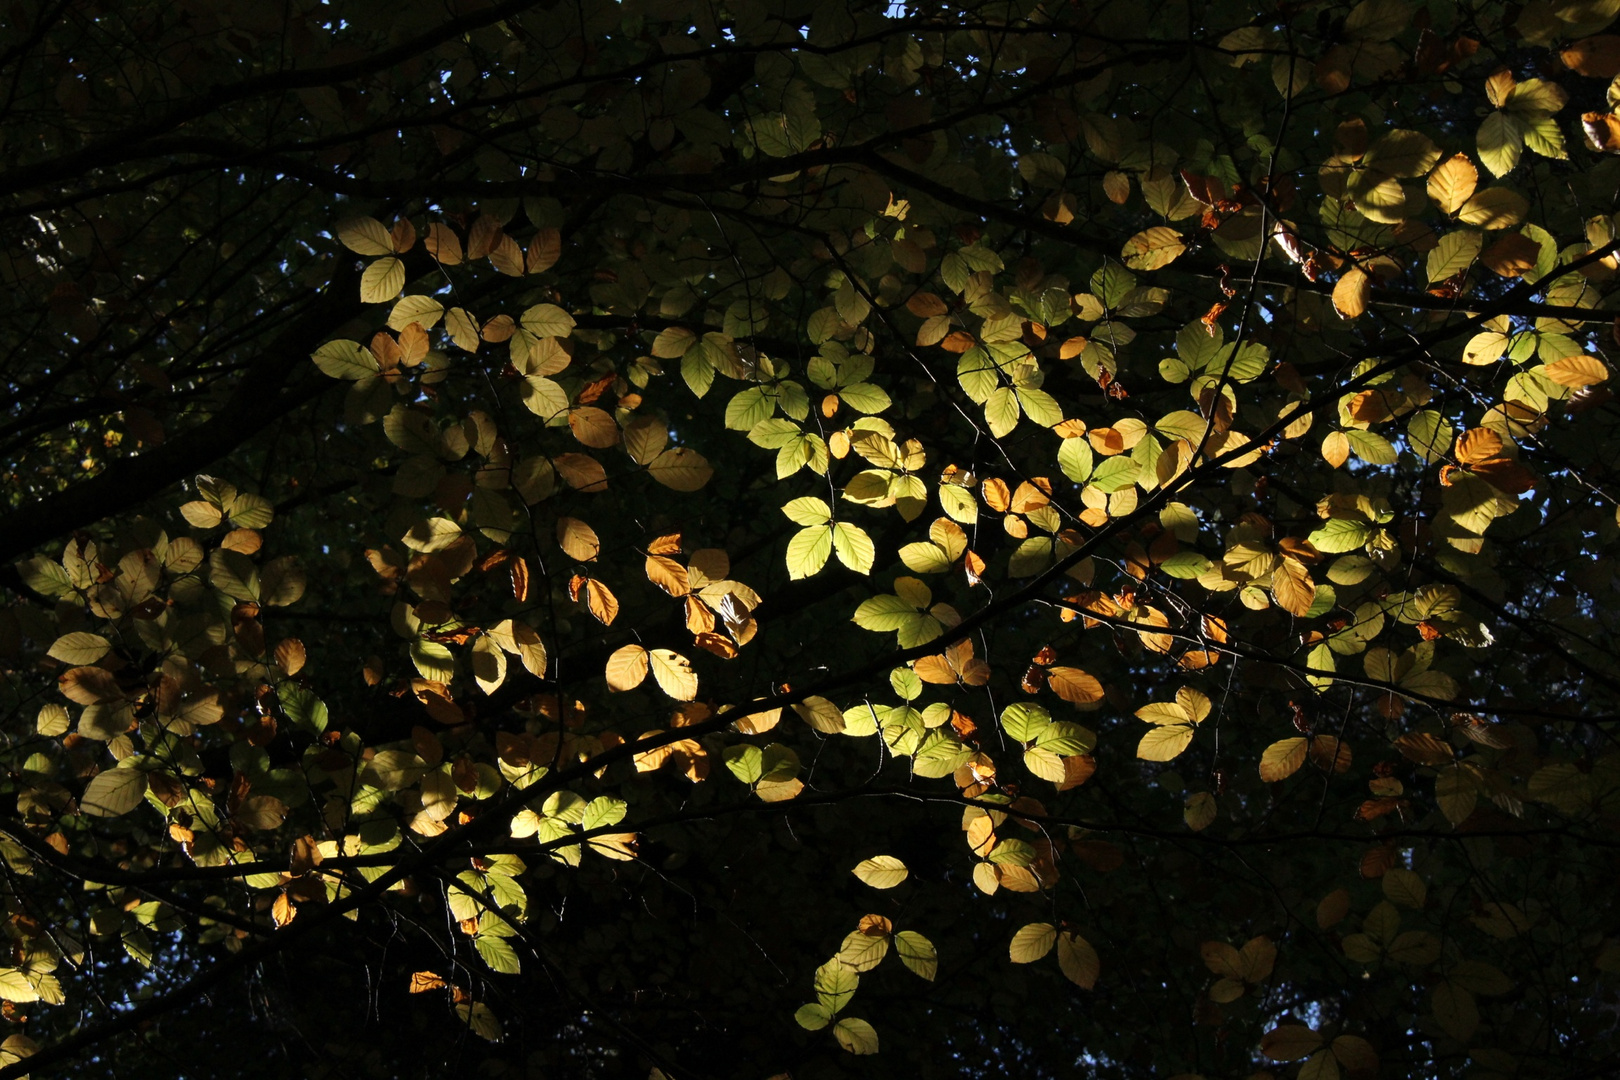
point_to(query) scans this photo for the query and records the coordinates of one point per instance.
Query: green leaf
(856, 1036)
(1500, 141)
(1040, 407)
(1455, 1010)
(1075, 459)
(747, 763)
(866, 398)
(113, 793)
(498, 953)
(1024, 721)
(1455, 253)
(1115, 474)
(1339, 534)
(1405, 888)
(863, 952)
(835, 985)
(1001, 411)
(917, 953)
(808, 551)
(855, 549)
(1371, 448)
(303, 708)
(602, 811)
(813, 1017)
(1430, 436)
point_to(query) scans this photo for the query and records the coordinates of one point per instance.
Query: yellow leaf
(626, 668)
(593, 427)
(1336, 448)
(1453, 182)
(1222, 959)
(79, 647)
(382, 281)
(1495, 208)
(1582, 369)
(523, 641)
(1153, 248)
(1425, 749)
(674, 674)
(578, 539)
(671, 577)
(1282, 759)
(1032, 942)
(1200, 810)
(365, 236)
(506, 256)
(881, 871)
(1351, 292)
(1074, 685)
(681, 469)
(1292, 587)
(1165, 742)
(645, 438)
(856, 1036)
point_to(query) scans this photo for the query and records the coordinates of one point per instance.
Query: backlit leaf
(881, 871)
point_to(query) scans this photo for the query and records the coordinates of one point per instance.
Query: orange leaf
(997, 495)
(1582, 369)
(1506, 475)
(934, 669)
(1511, 255)
(1074, 685)
(601, 602)
(669, 544)
(581, 472)
(593, 427)
(423, 981)
(544, 251)
(668, 575)
(1425, 749)
(1478, 444)
(925, 305)
(1597, 57)
(520, 579)
(1351, 293)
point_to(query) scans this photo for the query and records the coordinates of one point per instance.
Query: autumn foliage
(754, 540)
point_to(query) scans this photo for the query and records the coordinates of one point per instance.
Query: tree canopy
(760, 538)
